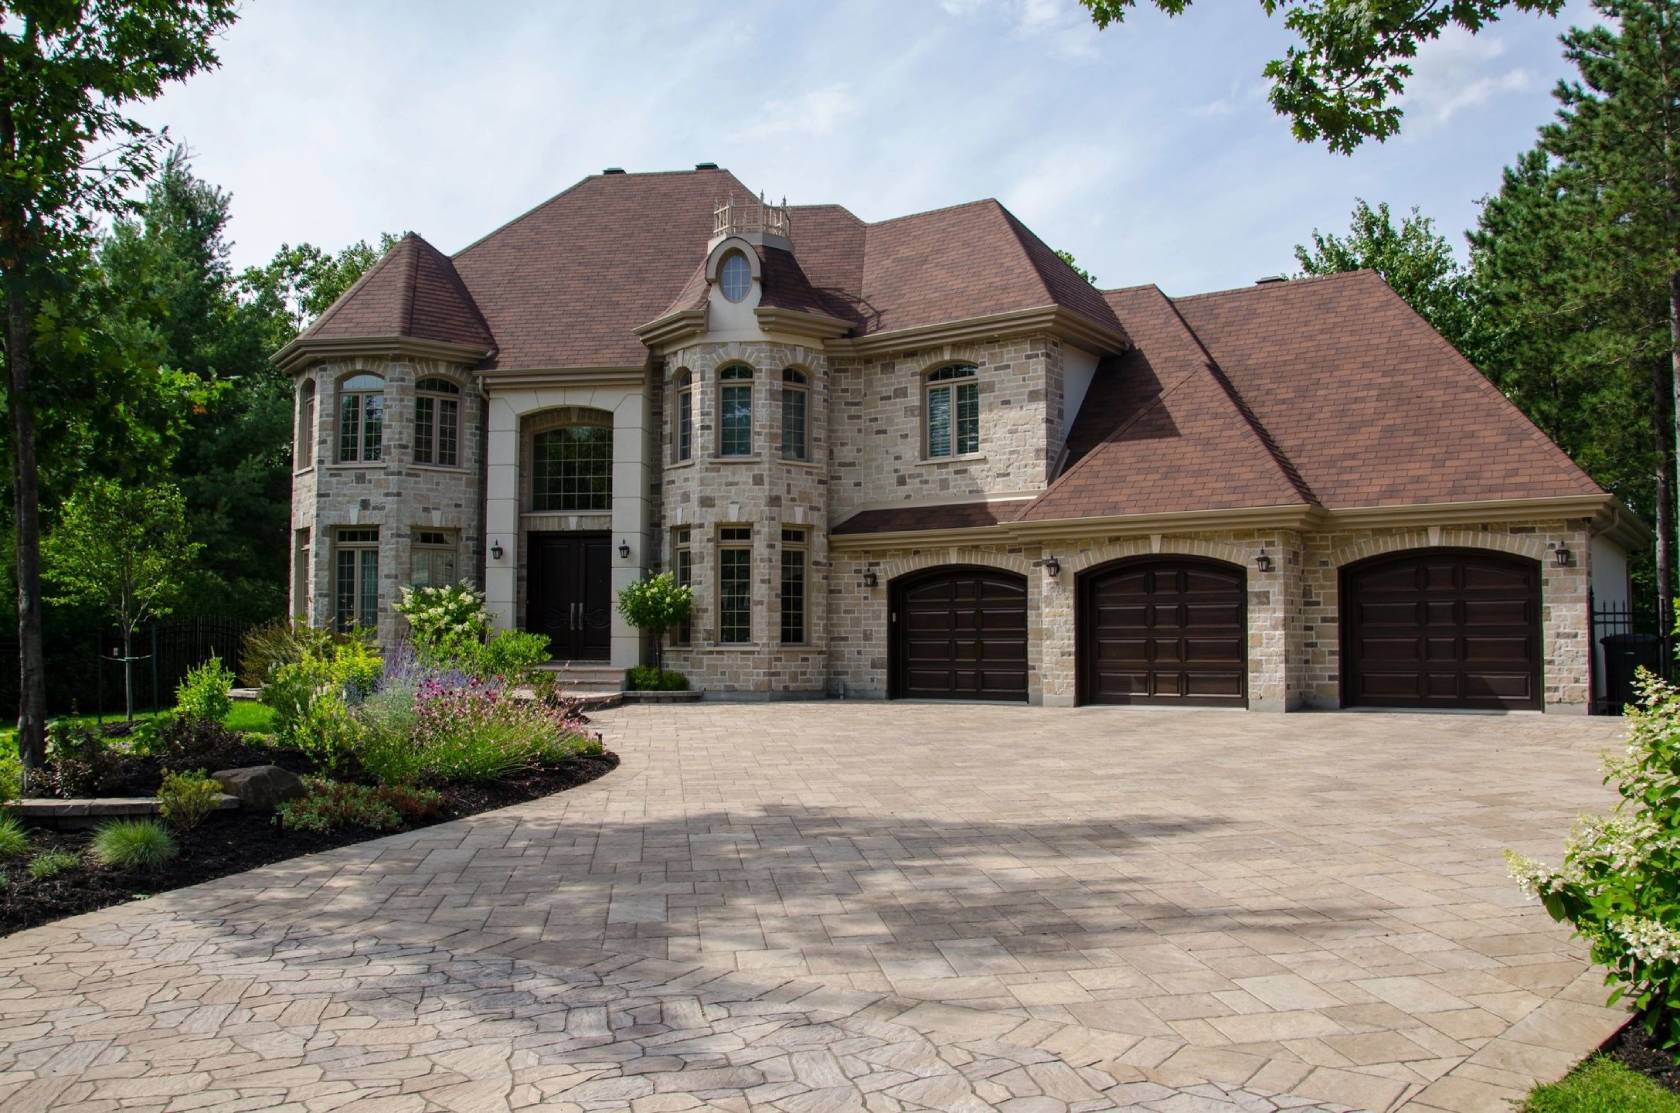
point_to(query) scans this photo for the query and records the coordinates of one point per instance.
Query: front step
(577, 679)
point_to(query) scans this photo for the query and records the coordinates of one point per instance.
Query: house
(923, 458)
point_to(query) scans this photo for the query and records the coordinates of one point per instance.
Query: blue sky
(1148, 149)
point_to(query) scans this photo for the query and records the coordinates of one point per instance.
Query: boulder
(259, 786)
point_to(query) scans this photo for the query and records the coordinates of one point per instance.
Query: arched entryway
(959, 632)
(1163, 630)
(1450, 628)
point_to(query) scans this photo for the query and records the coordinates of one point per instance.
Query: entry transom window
(735, 276)
(356, 578)
(793, 587)
(735, 411)
(682, 429)
(361, 419)
(953, 411)
(437, 422)
(432, 559)
(572, 469)
(734, 584)
(795, 394)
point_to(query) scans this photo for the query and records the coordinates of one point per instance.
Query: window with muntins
(795, 395)
(572, 469)
(356, 578)
(735, 411)
(953, 411)
(431, 560)
(682, 569)
(682, 410)
(734, 584)
(793, 587)
(303, 455)
(361, 419)
(437, 422)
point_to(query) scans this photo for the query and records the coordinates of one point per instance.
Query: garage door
(1442, 628)
(1163, 630)
(960, 633)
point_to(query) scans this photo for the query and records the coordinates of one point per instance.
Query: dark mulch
(1637, 1050)
(231, 842)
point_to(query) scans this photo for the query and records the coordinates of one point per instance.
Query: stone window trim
(439, 402)
(682, 417)
(308, 414)
(734, 584)
(796, 415)
(735, 440)
(360, 435)
(951, 412)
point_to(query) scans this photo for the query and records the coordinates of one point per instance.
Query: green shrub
(133, 844)
(185, 799)
(11, 772)
(80, 762)
(1619, 884)
(414, 804)
(44, 867)
(14, 840)
(656, 605)
(511, 655)
(327, 732)
(349, 670)
(282, 642)
(332, 805)
(451, 630)
(480, 732)
(204, 693)
(646, 678)
(438, 614)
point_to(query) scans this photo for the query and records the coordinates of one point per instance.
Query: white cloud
(817, 112)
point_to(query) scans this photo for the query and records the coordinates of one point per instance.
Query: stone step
(574, 679)
(49, 812)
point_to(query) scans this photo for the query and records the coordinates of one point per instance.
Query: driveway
(870, 906)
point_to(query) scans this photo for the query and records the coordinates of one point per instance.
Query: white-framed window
(794, 580)
(361, 419)
(735, 410)
(682, 416)
(953, 411)
(735, 276)
(682, 569)
(437, 422)
(356, 578)
(796, 395)
(303, 454)
(433, 557)
(734, 585)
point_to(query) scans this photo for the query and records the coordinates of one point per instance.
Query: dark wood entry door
(960, 633)
(1442, 628)
(569, 594)
(1169, 630)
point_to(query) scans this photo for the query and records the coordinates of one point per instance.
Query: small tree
(657, 605)
(123, 549)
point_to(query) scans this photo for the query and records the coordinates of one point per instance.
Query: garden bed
(231, 842)
(1638, 1050)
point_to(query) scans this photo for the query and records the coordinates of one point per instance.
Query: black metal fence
(1624, 639)
(85, 668)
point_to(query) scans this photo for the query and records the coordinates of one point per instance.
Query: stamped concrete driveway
(855, 906)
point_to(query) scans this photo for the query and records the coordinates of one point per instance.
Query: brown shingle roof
(412, 291)
(1371, 404)
(955, 515)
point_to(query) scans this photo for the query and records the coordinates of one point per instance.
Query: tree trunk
(128, 672)
(1662, 389)
(26, 498)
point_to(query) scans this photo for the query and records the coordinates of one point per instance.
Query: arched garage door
(1170, 630)
(1442, 628)
(959, 633)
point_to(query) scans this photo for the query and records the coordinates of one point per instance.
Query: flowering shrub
(204, 693)
(451, 630)
(656, 605)
(437, 614)
(1619, 885)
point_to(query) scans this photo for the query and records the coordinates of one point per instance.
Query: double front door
(569, 594)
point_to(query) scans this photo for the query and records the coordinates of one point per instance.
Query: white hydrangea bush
(1618, 884)
(440, 614)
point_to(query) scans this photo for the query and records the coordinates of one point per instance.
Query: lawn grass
(1602, 1085)
(247, 716)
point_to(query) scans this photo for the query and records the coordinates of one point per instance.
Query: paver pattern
(853, 906)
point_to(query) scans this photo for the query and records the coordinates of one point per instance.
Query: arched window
(303, 454)
(735, 276)
(953, 411)
(682, 416)
(361, 419)
(437, 422)
(572, 469)
(735, 411)
(795, 408)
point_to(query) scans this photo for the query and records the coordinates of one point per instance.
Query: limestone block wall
(878, 417)
(394, 495)
(762, 491)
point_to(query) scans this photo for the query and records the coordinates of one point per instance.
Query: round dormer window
(735, 276)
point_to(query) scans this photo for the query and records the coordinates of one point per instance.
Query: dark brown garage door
(960, 633)
(1442, 628)
(1163, 630)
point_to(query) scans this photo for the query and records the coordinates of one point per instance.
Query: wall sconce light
(1263, 561)
(1052, 567)
(870, 579)
(623, 549)
(496, 550)
(1562, 555)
